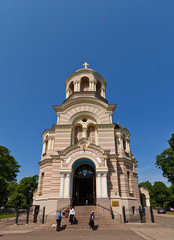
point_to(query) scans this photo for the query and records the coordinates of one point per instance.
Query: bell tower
(85, 80)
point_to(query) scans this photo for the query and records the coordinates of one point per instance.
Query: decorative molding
(68, 149)
(94, 99)
(98, 148)
(47, 160)
(63, 127)
(105, 126)
(81, 153)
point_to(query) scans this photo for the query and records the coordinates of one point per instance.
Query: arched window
(91, 134)
(41, 182)
(84, 170)
(71, 88)
(46, 144)
(77, 133)
(98, 87)
(124, 142)
(84, 84)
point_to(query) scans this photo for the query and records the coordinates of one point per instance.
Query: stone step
(82, 216)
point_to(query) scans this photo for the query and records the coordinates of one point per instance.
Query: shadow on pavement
(96, 227)
(63, 227)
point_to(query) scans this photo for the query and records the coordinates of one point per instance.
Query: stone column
(105, 186)
(127, 145)
(67, 193)
(147, 202)
(62, 179)
(95, 82)
(44, 147)
(58, 119)
(99, 185)
(78, 86)
(49, 143)
(104, 93)
(110, 117)
(52, 143)
(84, 132)
(67, 94)
(75, 86)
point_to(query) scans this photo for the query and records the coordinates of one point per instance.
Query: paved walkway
(161, 230)
(75, 235)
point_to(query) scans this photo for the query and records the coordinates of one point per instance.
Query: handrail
(110, 210)
(57, 210)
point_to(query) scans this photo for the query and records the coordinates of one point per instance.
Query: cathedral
(86, 158)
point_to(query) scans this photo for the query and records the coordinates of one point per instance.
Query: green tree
(171, 141)
(165, 161)
(159, 194)
(147, 185)
(8, 172)
(23, 196)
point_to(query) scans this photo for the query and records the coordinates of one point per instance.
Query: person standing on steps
(58, 220)
(91, 220)
(71, 215)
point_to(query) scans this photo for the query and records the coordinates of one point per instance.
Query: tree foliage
(160, 194)
(171, 142)
(23, 194)
(165, 161)
(147, 185)
(8, 172)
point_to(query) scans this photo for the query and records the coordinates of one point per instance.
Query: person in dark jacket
(58, 220)
(91, 220)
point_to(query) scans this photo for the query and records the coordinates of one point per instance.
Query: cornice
(88, 94)
(46, 160)
(125, 160)
(105, 126)
(113, 156)
(81, 100)
(63, 127)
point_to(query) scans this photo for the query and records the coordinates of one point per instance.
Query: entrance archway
(84, 187)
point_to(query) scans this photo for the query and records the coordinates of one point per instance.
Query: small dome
(85, 80)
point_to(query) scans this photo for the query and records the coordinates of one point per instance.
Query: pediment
(83, 145)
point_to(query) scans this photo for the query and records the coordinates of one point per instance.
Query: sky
(130, 43)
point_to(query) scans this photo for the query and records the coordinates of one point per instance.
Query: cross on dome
(85, 65)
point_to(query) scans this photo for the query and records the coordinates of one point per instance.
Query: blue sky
(130, 43)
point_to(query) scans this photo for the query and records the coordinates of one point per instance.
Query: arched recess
(143, 199)
(98, 87)
(81, 161)
(84, 114)
(91, 133)
(41, 183)
(84, 86)
(71, 88)
(124, 142)
(84, 183)
(77, 133)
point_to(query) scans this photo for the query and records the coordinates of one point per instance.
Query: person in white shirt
(71, 215)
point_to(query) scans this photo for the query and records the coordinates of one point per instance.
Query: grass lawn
(170, 213)
(7, 215)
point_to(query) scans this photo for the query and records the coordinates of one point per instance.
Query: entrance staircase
(82, 216)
